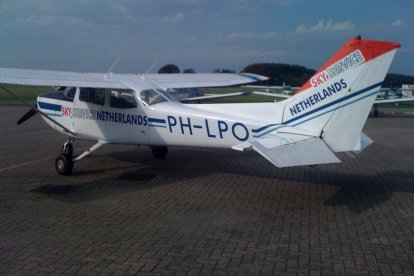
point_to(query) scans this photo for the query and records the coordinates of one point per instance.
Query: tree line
(293, 75)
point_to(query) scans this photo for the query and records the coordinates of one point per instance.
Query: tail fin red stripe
(369, 49)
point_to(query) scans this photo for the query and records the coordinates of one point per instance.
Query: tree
(279, 73)
(169, 69)
(218, 70)
(397, 80)
(189, 70)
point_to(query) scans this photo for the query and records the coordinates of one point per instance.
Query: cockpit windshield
(155, 96)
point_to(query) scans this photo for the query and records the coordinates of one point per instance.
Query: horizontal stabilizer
(308, 151)
(364, 142)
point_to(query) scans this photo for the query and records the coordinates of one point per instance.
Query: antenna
(152, 66)
(112, 67)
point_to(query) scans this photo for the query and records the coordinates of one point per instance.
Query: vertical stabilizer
(335, 102)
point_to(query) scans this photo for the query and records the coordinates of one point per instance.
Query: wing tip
(254, 77)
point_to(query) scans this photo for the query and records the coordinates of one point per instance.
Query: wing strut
(89, 151)
(36, 110)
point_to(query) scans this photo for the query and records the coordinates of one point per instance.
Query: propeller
(27, 116)
(35, 110)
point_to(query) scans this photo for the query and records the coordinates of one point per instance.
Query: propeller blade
(37, 110)
(26, 116)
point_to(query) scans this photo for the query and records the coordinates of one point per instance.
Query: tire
(159, 152)
(64, 164)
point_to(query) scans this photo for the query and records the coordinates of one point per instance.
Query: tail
(336, 101)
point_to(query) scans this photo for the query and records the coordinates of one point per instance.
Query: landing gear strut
(65, 161)
(159, 152)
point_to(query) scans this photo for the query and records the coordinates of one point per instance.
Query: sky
(89, 35)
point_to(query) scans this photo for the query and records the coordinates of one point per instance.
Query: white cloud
(251, 35)
(269, 35)
(235, 36)
(176, 18)
(326, 26)
(398, 22)
(257, 54)
(300, 29)
(248, 5)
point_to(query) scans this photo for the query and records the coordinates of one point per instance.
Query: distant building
(408, 90)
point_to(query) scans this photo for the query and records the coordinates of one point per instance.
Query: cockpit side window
(92, 95)
(152, 97)
(123, 99)
(70, 93)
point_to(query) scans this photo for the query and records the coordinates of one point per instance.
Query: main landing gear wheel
(64, 164)
(159, 152)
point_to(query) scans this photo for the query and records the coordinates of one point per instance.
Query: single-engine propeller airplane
(326, 115)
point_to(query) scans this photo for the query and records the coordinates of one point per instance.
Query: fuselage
(146, 115)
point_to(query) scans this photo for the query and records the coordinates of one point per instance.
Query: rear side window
(92, 95)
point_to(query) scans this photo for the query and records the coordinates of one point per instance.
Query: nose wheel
(64, 161)
(64, 164)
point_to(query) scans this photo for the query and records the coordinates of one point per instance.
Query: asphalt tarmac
(203, 211)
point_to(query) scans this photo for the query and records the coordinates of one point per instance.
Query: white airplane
(286, 90)
(379, 99)
(326, 116)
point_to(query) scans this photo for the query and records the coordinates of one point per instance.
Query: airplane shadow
(358, 192)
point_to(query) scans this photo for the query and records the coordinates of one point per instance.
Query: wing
(202, 80)
(115, 81)
(276, 95)
(400, 100)
(214, 96)
(57, 78)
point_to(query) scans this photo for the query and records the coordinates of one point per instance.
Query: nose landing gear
(64, 162)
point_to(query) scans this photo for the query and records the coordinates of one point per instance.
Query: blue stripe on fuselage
(156, 120)
(334, 102)
(49, 106)
(318, 109)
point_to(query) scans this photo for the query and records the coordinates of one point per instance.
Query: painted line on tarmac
(25, 164)
(32, 162)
